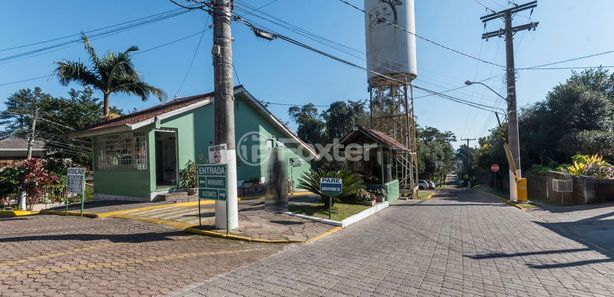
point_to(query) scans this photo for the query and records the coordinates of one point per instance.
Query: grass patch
(340, 211)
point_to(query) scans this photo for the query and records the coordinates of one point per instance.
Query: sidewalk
(256, 224)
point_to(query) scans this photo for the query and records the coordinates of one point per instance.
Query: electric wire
(420, 36)
(185, 77)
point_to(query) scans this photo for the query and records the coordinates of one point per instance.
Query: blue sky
(279, 72)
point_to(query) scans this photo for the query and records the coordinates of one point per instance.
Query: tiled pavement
(457, 244)
(593, 222)
(73, 256)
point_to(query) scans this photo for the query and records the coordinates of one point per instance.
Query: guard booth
(378, 167)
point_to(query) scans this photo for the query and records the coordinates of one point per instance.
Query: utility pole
(224, 109)
(512, 116)
(22, 194)
(468, 160)
(32, 131)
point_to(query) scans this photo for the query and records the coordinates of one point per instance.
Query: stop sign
(494, 168)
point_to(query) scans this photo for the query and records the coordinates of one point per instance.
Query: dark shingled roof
(149, 113)
(18, 143)
(377, 136)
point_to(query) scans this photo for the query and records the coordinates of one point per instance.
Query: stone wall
(586, 189)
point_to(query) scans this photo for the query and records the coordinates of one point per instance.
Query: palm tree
(113, 73)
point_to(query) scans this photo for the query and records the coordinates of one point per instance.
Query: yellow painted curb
(300, 194)
(16, 213)
(198, 231)
(144, 208)
(329, 232)
(507, 201)
(69, 213)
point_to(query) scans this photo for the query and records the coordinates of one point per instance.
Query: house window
(127, 151)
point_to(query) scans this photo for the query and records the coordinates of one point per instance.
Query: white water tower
(391, 50)
(391, 62)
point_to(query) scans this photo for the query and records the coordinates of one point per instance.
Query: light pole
(513, 139)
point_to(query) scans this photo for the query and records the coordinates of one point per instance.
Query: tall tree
(57, 116)
(342, 116)
(112, 73)
(435, 153)
(310, 126)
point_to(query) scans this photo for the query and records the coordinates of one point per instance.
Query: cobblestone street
(457, 244)
(72, 256)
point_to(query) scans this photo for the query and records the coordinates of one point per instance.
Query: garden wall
(392, 190)
(585, 189)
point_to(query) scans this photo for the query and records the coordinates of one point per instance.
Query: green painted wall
(195, 133)
(133, 183)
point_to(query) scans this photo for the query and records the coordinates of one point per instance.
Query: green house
(138, 156)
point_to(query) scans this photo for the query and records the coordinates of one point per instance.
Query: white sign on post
(75, 178)
(217, 154)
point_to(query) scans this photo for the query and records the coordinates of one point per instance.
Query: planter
(380, 199)
(192, 191)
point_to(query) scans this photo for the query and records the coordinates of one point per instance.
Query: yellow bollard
(521, 188)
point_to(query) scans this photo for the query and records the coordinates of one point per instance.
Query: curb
(16, 213)
(503, 199)
(329, 232)
(69, 213)
(195, 230)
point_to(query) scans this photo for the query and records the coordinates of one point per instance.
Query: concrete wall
(585, 189)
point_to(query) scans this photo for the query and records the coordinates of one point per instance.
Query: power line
(93, 36)
(134, 54)
(567, 60)
(484, 5)
(90, 31)
(26, 80)
(421, 37)
(300, 44)
(185, 77)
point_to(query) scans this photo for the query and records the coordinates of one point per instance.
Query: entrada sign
(212, 181)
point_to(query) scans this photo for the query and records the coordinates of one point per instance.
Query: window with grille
(127, 151)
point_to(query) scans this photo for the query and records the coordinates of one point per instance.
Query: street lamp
(468, 82)
(512, 146)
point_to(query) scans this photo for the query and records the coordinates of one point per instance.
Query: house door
(166, 158)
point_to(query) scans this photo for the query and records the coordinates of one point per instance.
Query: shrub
(581, 162)
(187, 176)
(36, 181)
(364, 196)
(352, 183)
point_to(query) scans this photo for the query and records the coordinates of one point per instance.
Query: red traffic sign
(217, 156)
(495, 168)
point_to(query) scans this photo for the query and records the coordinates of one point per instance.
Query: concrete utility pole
(512, 117)
(224, 108)
(468, 160)
(32, 131)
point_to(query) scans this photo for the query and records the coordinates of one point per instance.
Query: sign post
(331, 186)
(75, 185)
(212, 185)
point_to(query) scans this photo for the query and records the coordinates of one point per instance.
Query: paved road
(458, 244)
(73, 256)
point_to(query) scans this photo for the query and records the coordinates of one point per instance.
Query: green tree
(310, 126)
(435, 153)
(113, 73)
(342, 116)
(57, 117)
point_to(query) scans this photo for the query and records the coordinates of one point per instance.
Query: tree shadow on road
(117, 238)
